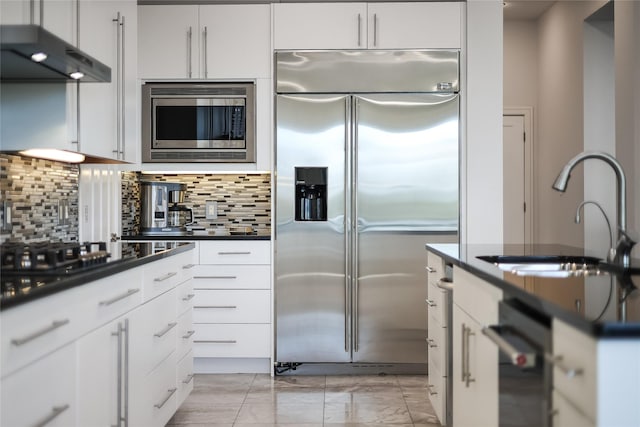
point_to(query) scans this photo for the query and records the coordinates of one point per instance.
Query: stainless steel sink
(545, 265)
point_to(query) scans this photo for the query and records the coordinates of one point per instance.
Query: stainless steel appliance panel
(406, 152)
(313, 299)
(360, 71)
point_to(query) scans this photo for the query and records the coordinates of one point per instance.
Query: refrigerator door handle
(354, 221)
(347, 231)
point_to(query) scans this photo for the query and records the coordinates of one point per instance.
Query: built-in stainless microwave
(198, 122)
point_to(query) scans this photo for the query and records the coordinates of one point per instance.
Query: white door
(514, 162)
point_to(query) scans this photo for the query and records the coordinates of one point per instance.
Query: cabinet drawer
(153, 332)
(436, 303)
(565, 414)
(158, 396)
(32, 330)
(436, 391)
(184, 378)
(578, 351)
(232, 277)
(162, 275)
(232, 340)
(231, 306)
(235, 252)
(40, 391)
(184, 297)
(476, 297)
(436, 346)
(184, 333)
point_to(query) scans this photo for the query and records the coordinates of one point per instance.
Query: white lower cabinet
(232, 306)
(475, 357)
(43, 393)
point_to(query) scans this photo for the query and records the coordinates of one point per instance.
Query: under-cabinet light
(53, 154)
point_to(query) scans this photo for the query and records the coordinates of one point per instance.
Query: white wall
(520, 48)
(481, 205)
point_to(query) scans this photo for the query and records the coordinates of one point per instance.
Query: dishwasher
(523, 336)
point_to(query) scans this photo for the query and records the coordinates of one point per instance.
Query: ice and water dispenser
(311, 194)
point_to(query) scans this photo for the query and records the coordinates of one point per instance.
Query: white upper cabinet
(108, 118)
(367, 25)
(204, 42)
(319, 25)
(56, 16)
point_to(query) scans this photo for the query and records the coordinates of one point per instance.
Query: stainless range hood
(61, 62)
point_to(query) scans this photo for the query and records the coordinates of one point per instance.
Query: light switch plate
(211, 210)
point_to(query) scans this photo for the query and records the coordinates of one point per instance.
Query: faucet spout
(623, 249)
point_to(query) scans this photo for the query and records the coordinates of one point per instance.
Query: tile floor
(258, 400)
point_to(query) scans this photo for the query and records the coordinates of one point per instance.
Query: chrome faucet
(624, 243)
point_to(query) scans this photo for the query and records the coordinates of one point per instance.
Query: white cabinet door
(168, 40)
(108, 110)
(475, 374)
(235, 41)
(320, 26)
(98, 376)
(414, 25)
(43, 393)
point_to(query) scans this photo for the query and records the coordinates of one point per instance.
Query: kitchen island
(588, 367)
(100, 345)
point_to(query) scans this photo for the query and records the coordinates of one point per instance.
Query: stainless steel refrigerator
(367, 162)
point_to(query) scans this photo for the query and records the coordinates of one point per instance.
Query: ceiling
(525, 9)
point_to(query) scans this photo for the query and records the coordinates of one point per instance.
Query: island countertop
(595, 304)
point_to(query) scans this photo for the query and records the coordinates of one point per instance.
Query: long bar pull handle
(215, 306)
(468, 378)
(375, 30)
(188, 379)
(54, 325)
(347, 228)
(204, 54)
(444, 285)
(165, 277)
(517, 358)
(359, 30)
(215, 277)
(558, 362)
(118, 82)
(122, 90)
(118, 334)
(117, 298)
(166, 399)
(189, 297)
(235, 253)
(188, 334)
(216, 342)
(463, 346)
(163, 332)
(356, 226)
(189, 48)
(55, 411)
(125, 418)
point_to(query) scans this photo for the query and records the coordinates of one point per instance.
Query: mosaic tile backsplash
(244, 199)
(35, 187)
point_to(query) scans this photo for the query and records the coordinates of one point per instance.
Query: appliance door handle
(558, 362)
(444, 284)
(355, 228)
(518, 358)
(55, 411)
(189, 44)
(54, 325)
(347, 229)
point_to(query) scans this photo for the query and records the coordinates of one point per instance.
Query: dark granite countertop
(19, 288)
(605, 305)
(196, 237)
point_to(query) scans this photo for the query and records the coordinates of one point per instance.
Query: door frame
(529, 162)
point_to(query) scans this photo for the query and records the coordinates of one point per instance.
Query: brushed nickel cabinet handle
(189, 297)
(235, 253)
(431, 393)
(431, 343)
(165, 277)
(215, 306)
(431, 303)
(216, 342)
(55, 411)
(558, 362)
(188, 334)
(359, 30)
(431, 269)
(119, 297)
(204, 36)
(189, 48)
(165, 330)
(54, 325)
(188, 266)
(166, 399)
(216, 277)
(188, 379)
